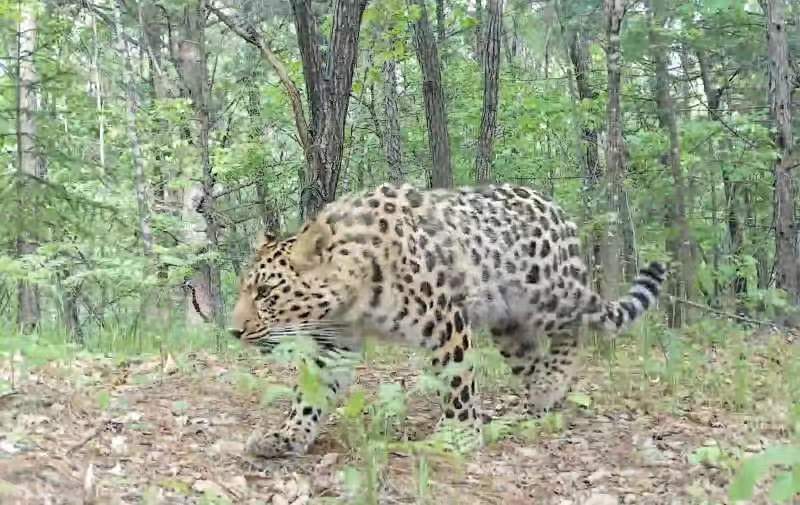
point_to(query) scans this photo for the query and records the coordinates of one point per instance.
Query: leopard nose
(237, 333)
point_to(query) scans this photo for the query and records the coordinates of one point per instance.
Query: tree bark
(781, 85)
(587, 147)
(29, 159)
(98, 90)
(491, 85)
(736, 232)
(328, 89)
(189, 53)
(440, 15)
(679, 241)
(582, 64)
(478, 51)
(270, 219)
(391, 136)
(613, 247)
(435, 113)
(132, 102)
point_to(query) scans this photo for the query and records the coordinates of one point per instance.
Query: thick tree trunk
(433, 93)
(614, 257)
(781, 85)
(328, 88)
(679, 241)
(204, 297)
(29, 160)
(391, 136)
(491, 85)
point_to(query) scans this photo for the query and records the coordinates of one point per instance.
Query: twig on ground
(88, 438)
(8, 394)
(723, 313)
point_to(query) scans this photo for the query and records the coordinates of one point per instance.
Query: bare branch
(293, 93)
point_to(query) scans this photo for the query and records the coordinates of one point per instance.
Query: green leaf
(706, 455)
(180, 406)
(785, 487)
(103, 400)
(311, 386)
(580, 399)
(756, 467)
(274, 392)
(355, 405)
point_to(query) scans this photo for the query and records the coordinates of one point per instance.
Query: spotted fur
(428, 268)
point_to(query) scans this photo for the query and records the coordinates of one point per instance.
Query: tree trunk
(781, 83)
(391, 136)
(98, 91)
(582, 64)
(736, 232)
(440, 14)
(328, 89)
(270, 219)
(587, 138)
(679, 242)
(30, 162)
(614, 246)
(433, 92)
(478, 51)
(132, 102)
(491, 84)
(70, 314)
(189, 52)
(249, 34)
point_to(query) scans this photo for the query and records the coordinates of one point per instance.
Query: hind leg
(452, 346)
(311, 405)
(545, 364)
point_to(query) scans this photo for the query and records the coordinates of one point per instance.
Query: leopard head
(285, 291)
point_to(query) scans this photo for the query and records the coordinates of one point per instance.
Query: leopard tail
(643, 294)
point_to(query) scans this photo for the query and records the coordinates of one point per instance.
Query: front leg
(308, 412)
(450, 362)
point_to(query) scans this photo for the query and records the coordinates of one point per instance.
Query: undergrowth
(708, 365)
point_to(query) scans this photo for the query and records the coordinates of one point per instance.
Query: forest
(147, 143)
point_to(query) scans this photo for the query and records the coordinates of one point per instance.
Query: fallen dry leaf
(209, 486)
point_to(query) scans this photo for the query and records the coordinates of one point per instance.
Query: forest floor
(156, 430)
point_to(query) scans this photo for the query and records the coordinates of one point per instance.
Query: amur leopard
(430, 268)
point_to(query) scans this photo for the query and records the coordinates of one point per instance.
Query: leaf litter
(98, 432)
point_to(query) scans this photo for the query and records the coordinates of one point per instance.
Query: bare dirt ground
(96, 431)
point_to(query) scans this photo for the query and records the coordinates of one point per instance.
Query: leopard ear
(263, 238)
(307, 249)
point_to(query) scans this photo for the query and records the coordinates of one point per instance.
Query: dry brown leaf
(209, 486)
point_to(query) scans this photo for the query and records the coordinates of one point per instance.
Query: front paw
(274, 444)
